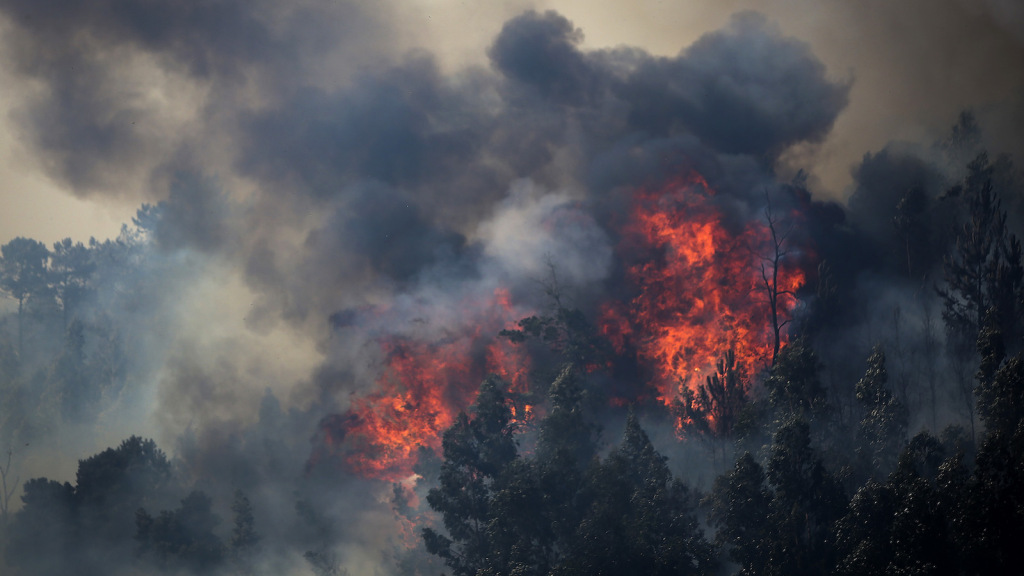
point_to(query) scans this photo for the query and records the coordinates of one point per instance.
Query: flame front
(423, 387)
(699, 289)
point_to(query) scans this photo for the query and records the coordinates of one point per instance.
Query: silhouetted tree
(638, 519)
(807, 502)
(985, 270)
(23, 274)
(911, 224)
(70, 376)
(71, 268)
(182, 538)
(535, 510)
(771, 267)
(779, 523)
(714, 406)
(995, 507)
(741, 510)
(244, 543)
(476, 451)
(794, 384)
(64, 529)
(44, 537)
(883, 427)
(1000, 389)
(896, 527)
(564, 329)
(963, 140)
(7, 487)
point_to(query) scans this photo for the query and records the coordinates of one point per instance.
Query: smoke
(744, 90)
(127, 87)
(314, 190)
(533, 232)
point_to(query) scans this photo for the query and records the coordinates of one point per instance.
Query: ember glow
(423, 386)
(699, 290)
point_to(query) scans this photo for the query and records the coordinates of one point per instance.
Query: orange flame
(699, 289)
(698, 293)
(422, 389)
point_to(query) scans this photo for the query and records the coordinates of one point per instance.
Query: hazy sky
(913, 65)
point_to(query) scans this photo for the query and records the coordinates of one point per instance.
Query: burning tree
(696, 281)
(425, 382)
(713, 407)
(775, 290)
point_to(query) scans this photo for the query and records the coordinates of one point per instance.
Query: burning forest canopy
(567, 306)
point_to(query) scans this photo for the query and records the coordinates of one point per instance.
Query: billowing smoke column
(400, 217)
(667, 245)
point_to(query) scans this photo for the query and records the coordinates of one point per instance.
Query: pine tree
(476, 452)
(985, 270)
(638, 519)
(807, 502)
(794, 385)
(244, 538)
(741, 510)
(883, 428)
(714, 407)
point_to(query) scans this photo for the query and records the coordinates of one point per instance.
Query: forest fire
(423, 387)
(700, 288)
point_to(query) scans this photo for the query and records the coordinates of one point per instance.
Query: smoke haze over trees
(561, 309)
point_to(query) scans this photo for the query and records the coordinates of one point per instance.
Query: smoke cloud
(315, 186)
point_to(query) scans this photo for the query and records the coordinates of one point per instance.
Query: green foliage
(992, 506)
(23, 272)
(565, 330)
(883, 427)
(244, 538)
(71, 268)
(807, 501)
(779, 522)
(985, 271)
(794, 384)
(741, 509)
(562, 511)
(714, 407)
(566, 434)
(134, 470)
(476, 452)
(60, 526)
(183, 537)
(638, 519)
(1000, 390)
(535, 512)
(896, 527)
(44, 535)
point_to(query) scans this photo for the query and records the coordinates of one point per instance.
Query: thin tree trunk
(21, 337)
